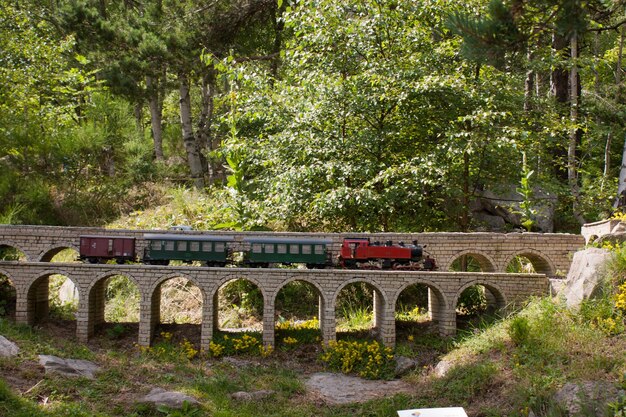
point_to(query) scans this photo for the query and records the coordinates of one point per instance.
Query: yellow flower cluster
(620, 298)
(216, 349)
(188, 349)
(367, 359)
(266, 351)
(244, 343)
(167, 336)
(290, 341)
(609, 325)
(314, 323)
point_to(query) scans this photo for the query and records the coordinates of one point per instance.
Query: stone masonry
(31, 282)
(550, 253)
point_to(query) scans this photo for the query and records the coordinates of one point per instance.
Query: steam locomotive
(216, 251)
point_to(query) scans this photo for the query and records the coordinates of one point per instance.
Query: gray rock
(68, 367)
(171, 399)
(590, 396)
(404, 365)
(442, 368)
(342, 389)
(584, 278)
(252, 396)
(8, 348)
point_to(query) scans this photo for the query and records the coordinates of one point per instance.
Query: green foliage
(519, 330)
(367, 359)
(472, 301)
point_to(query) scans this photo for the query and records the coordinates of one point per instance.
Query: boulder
(592, 396)
(584, 279)
(404, 365)
(443, 367)
(171, 399)
(8, 348)
(342, 389)
(68, 367)
(252, 396)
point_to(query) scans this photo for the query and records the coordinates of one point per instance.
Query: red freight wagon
(99, 249)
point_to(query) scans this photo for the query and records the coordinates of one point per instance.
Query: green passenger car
(161, 248)
(266, 251)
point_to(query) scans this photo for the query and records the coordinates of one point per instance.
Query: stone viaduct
(550, 255)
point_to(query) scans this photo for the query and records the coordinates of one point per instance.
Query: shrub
(519, 330)
(369, 360)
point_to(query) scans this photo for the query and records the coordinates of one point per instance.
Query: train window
(269, 248)
(219, 247)
(155, 245)
(306, 249)
(207, 246)
(257, 248)
(281, 248)
(182, 245)
(169, 245)
(319, 249)
(295, 249)
(194, 246)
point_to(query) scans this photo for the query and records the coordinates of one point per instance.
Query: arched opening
(297, 315)
(8, 298)
(46, 304)
(239, 306)
(63, 254)
(417, 326)
(177, 311)
(477, 305)
(520, 265)
(114, 307)
(472, 262)
(355, 310)
(237, 318)
(11, 253)
(539, 263)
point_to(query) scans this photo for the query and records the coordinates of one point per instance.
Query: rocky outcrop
(171, 399)
(8, 348)
(342, 389)
(252, 396)
(68, 367)
(584, 279)
(592, 396)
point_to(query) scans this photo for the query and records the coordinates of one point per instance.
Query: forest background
(367, 115)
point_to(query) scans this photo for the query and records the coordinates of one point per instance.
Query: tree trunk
(208, 140)
(621, 187)
(575, 132)
(189, 139)
(156, 114)
(559, 79)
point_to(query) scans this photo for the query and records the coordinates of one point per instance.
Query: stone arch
(382, 311)
(498, 294)
(486, 262)
(266, 294)
(48, 253)
(8, 295)
(317, 286)
(541, 262)
(38, 295)
(96, 298)
(438, 303)
(6, 243)
(151, 304)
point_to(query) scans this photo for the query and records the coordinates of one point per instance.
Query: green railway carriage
(266, 251)
(161, 248)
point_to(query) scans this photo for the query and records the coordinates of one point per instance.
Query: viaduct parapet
(550, 253)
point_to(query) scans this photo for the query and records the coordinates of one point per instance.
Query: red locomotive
(361, 253)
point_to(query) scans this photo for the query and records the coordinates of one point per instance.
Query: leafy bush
(369, 360)
(519, 330)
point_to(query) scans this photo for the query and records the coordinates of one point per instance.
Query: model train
(216, 251)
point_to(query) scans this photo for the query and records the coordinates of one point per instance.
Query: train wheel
(92, 260)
